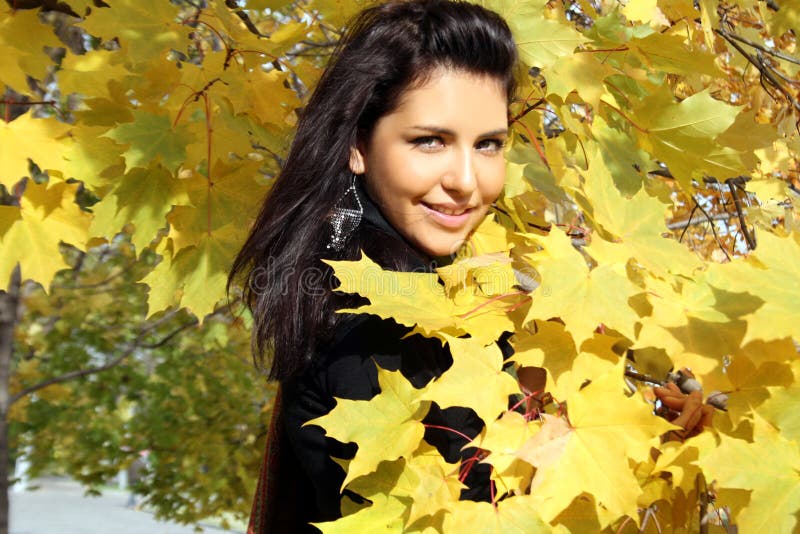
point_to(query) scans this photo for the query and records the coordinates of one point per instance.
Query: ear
(357, 162)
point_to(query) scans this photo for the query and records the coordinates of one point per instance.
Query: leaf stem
(447, 428)
(493, 299)
(621, 114)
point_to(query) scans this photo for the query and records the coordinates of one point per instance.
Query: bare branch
(767, 74)
(691, 221)
(776, 53)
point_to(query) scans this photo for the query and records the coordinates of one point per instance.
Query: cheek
(495, 178)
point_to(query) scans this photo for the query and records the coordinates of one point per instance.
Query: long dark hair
(385, 50)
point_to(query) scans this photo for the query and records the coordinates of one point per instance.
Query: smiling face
(435, 164)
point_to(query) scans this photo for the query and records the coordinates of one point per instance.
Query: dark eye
(429, 142)
(491, 145)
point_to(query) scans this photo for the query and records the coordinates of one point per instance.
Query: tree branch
(765, 70)
(99, 369)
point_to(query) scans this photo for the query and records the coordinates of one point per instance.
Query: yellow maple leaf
(47, 216)
(646, 11)
(26, 137)
(541, 41)
(19, 30)
(431, 483)
(694, 316)
(782, 409)
(516, 515)
(397, 411)
(476, 379)
(145, 30)
(553, 349)
(682, 135)
(195, 276)
(637, 223)
(419, 300)
(581, 297)
(503, 439)
(763, 274)
(606, 430)
(94, 160)
(88, 74)
(775, 484)
(383, 515)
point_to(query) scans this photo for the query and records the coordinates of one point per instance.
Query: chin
(443, 248)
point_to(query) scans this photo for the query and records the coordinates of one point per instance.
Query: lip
(448, 221)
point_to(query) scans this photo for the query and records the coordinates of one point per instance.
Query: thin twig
(713, 229)
(748, 237)
(691, 221)
(245, 18)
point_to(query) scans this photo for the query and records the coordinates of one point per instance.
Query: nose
(461, 177)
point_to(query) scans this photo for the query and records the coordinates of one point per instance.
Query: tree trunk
(9, 301)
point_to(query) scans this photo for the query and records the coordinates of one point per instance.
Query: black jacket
(346, 368)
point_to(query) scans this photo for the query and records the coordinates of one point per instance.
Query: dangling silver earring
(345, 217)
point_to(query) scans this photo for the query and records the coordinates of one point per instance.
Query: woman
(398, 154)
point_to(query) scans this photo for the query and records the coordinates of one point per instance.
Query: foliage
(98, 385)
(647, 225)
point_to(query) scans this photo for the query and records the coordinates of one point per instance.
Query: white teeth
(448, 212)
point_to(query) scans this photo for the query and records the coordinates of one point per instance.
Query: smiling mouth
(447, 211)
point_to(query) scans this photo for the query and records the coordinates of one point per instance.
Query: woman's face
(435, 164)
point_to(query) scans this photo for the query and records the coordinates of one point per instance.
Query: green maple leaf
(143, 197)
(775, 483)
(621, 156)
(231, 196)
(682, 135)
(151, 138)
(195, 276)
(541, 41)
(396, 411)
(476, 379)
(668, 52)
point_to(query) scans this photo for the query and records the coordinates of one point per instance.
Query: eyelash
(424, 142)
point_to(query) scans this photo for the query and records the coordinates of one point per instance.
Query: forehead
(447, 94)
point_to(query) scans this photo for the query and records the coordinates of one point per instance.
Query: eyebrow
(445, 131)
